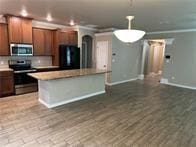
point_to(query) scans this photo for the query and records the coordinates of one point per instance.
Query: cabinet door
(20, 30)
(63, 38)
(27, 31)
(15, 29)
(6, 83)
(48, 42)
(73, 38)
(38, 42)
(4, 47)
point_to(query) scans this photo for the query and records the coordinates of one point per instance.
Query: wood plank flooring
(134, 114)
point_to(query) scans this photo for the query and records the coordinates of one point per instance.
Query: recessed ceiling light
(49, 17)
(72, 23)
(24, 13)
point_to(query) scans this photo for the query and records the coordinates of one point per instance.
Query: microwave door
(21, 49)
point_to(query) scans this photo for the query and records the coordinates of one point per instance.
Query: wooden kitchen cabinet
(42, 42)
(73, 38)
(4, 46)
(63, 38)
(49, 41)
(38, 42)
(20, 30)
(69, 38)
(6, 83)
(27, 31)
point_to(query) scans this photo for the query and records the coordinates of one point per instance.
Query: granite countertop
(45, 67)
(52, 75)
(5, 69)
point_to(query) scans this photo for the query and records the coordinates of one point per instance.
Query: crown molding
(84, 27)
(171, 31)
(46, 25)
(107, 30)
(104, 34)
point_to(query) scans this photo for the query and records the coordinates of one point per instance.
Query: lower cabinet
(6, 83)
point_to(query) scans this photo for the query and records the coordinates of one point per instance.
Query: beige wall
(181, 68)
(126, 61)
(123, 59)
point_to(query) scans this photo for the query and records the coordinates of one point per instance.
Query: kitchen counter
(61, 87)
(66, 73)
(46, 67)
(5, 69)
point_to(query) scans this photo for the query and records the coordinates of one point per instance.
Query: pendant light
(129, 35)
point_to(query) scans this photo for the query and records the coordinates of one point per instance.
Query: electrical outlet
(173, 78)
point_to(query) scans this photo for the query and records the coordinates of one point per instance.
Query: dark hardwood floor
(134, 114)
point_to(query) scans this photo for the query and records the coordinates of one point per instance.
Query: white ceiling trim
(46, 25)
(40, 24)
(104, 34)
(171, 31)
(84, 27)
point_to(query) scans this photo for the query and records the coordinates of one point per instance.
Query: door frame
(168, 41)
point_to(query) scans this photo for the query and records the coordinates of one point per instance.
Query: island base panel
(57, 92)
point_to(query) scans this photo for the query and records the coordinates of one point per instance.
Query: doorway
(154, 56)
(87, 46)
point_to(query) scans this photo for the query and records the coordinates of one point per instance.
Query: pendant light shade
(129, 35)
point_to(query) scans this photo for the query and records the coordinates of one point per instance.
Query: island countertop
(52, 75)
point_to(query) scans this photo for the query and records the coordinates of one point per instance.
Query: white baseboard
(141, 77)
(165, 81)
(120, 82)
(181, 86)
(71, 100)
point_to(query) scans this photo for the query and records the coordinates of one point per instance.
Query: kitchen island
(61, 87)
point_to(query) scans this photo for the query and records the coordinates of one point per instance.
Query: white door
(102, 54)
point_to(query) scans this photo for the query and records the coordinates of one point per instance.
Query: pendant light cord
(130, 17)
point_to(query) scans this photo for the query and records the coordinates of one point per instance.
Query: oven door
(21, 49)
(24, 83)
(23, 78)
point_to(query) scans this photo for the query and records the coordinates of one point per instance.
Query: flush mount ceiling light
(24, 13)
(72, 23)
(49, 17)
(129, 35)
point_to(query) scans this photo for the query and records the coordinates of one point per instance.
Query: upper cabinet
(4, 47)
(69, 37)
(43, 42)
(19, 29)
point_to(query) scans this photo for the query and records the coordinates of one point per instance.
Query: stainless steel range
(23, 83)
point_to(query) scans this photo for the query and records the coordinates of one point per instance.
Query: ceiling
(150, 15)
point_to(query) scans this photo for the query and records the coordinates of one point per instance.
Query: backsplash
(36, 60)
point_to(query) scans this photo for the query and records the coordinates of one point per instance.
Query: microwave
(21, 49)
